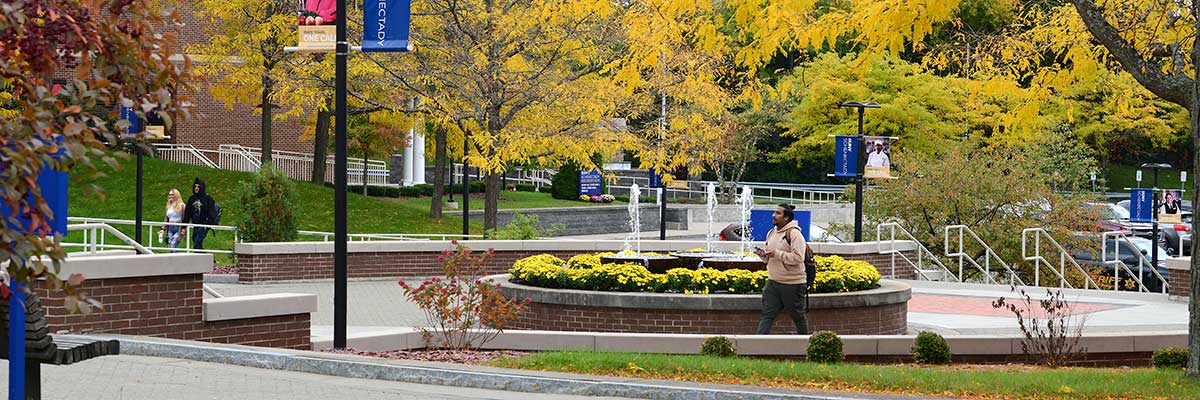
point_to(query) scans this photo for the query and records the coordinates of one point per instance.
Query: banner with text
(386, 25)
(318, 25)
(1169, 207)
(879, 157)
(845, 157)
(589, 183)
(1141, 205)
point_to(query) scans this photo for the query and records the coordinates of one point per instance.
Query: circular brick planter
(879, 311)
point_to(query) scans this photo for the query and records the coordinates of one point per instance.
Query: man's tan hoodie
(786, 262)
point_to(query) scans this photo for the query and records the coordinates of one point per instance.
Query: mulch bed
(447, 356)
(226, 270)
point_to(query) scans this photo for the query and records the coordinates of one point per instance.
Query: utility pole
(859, 180)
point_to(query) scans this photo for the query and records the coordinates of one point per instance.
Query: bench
(43, 348)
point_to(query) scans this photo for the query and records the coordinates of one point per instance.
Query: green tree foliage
(524, 227)
(266, 207)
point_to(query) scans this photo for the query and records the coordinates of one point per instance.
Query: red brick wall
(170, 307)
(877, 320)
(1179, 283)
(278, 267)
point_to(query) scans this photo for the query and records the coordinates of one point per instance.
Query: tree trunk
(439, 173)
(491, 201)
(267, 87)
(321, 142)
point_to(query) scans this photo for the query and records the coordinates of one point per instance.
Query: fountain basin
(656, 264)
(692, 260)
(751, 263)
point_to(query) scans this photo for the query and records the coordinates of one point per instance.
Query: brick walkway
(982, 306)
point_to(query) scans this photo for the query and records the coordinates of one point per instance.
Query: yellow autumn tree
(520, 78)
(245, 54)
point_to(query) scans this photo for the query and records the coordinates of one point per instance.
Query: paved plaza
(139, 378)
(948, 309)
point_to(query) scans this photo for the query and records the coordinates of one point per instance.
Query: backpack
(217, 213)
(810, 263)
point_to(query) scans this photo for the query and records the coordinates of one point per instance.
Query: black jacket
(200, 208)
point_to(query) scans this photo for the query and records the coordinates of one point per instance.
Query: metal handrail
(93, 227)
(1118, 237)
(150, 225)
(988, 255)
(326, 236)
(921, 251)
(1063, 260)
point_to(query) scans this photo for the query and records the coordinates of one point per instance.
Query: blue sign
(589, 183)
(53, 185)
(1141, 205)
(655, 179)
(386, 25)
(135, 123)
(761, 223)
(845, 156)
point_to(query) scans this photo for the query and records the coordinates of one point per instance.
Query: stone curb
(458, 376)
(220, 278)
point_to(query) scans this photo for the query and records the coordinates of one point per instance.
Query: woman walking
(174, 215)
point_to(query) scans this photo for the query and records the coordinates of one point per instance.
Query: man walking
(201, 209)
(784, 254)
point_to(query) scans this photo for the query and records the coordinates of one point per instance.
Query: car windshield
(1144, 245)
(1113, 212)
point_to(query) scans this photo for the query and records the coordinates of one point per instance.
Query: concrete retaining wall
(881, 311)
(589, 220)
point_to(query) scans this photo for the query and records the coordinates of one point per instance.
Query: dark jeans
(198, 235)
(778, 296)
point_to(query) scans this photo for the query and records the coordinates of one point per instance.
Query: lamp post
(1154, 219)
(340, 230)
(858, 179)
(466, 188)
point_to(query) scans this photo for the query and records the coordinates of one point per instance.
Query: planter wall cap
(549, 245)
(889, 292)
(1179, 264)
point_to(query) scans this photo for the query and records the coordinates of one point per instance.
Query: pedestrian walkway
(139, 378)
(946, 308)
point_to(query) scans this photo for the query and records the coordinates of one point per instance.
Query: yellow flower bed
(586, 272)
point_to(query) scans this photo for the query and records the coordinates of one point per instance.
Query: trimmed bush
(525, 187)
(523, 227)
(266, 207)
(565, 184)
(825, 347)
(719, 346)
(931, 348)
(1170, 357)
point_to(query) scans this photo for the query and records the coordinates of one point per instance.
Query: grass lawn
(1119, 177)
(991, 382)
(313, 206)
(523, 200)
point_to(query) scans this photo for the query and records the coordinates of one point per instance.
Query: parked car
(1129, 253)
(733, 233)
(1176, 238)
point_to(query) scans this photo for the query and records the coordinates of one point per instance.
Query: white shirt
(174, 216)
(878, 159)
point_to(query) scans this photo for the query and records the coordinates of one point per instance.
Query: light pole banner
(1169, 207)
(1141, 205)
(386, 25)
(879, 157)
(845, 156)
(317, 25)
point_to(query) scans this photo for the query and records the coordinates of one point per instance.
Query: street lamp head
(1157, 166)
(859, 104)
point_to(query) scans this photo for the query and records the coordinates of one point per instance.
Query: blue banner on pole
(655, 179)
(386, 25)
(845, 156)
(53, 185)
(135, 123)
(1141, 205)
(589, 183)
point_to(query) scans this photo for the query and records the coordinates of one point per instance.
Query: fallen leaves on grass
(446, 356)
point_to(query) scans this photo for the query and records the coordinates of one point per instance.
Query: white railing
(1040, 237)
(151, 227)
(296, 165)
(327, 236)
(888, 246)
(1118, 264)
(94, 234)
(989, 255)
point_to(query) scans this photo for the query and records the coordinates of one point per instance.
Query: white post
(408, 160)
(418, 157)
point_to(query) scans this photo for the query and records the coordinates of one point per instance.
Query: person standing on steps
(201, 209)
(784, 254)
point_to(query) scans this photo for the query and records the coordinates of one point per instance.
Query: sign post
(859, 160)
